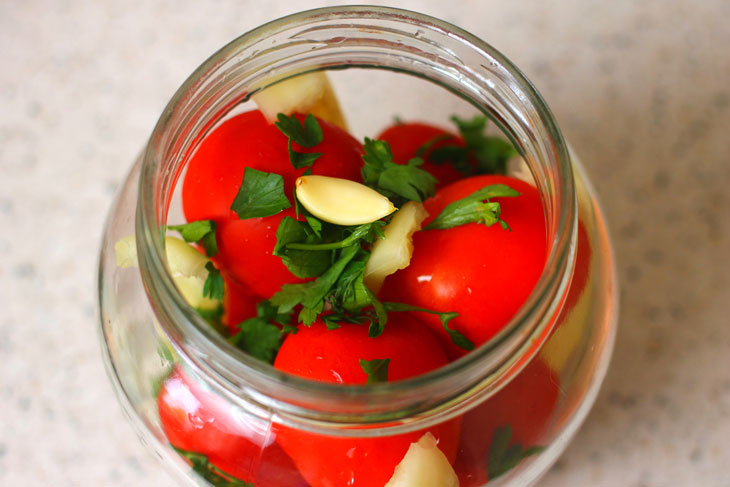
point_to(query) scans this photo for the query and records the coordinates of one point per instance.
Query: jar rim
(253, 383)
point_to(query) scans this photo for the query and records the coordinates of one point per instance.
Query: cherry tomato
(246, 252)
(483, 273)
(525, 405)
(215, 171)
(406, 139)
(333, 356)
(198, 421)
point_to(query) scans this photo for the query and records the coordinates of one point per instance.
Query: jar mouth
(377, 37)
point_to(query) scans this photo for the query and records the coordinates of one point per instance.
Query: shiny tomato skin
(215, 171)
(406, 139)
(333, 356)
(526, 405)
(198, 421)
(246, 252)
(483, 273)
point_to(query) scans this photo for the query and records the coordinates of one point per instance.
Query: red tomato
(483, 273)
(526, 405)
(215, 171)
(406, 139)
(198, 421)
(333, 356)
(246, 252)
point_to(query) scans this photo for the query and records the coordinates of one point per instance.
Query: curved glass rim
(185, 327)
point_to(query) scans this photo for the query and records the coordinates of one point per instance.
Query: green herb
(366, 231)
(474, 208)
(457, 338)
(502, 456)
(258, 337)
(311, 295)
(202, 231)
(376, 369)
(301, 262)
(214, 286)
(217, 477)
(407, 181)
(489, 153)
(267, 311)
(307, 134)
(261, 194)
(421, 152)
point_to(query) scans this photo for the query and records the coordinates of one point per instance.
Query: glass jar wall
(501, 414)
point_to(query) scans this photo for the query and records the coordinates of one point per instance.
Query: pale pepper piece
(424, 465)
(305, 93)
(187, 267)
(394, 252)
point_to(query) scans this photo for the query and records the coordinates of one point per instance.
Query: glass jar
(532, 385)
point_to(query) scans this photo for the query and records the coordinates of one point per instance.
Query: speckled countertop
(641, 89)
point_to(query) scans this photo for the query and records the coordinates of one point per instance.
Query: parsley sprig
(399, 182)
(376, 369)
(259, 336)
(261, 194)
(202, 231)
(503, 456)
(217, 477)
(214, 285)
(457, 338)
(489, 153)
(475, 208)
(307, 134)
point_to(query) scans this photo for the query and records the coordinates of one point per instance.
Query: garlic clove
(341, 201)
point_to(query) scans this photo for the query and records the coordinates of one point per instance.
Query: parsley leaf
(267, 311)
(301, 159)
(351, 293)
(490, 153)
(214, 286)
(502, 457)
(457, 338)
(311, 295)
(259, 338)
(408, 181)
(301, 263)
(376, 369)
(202, 231)
(217, 477)
(261, 194)
(307, 134)
(475, 208)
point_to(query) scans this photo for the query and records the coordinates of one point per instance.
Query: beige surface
(642, 90)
